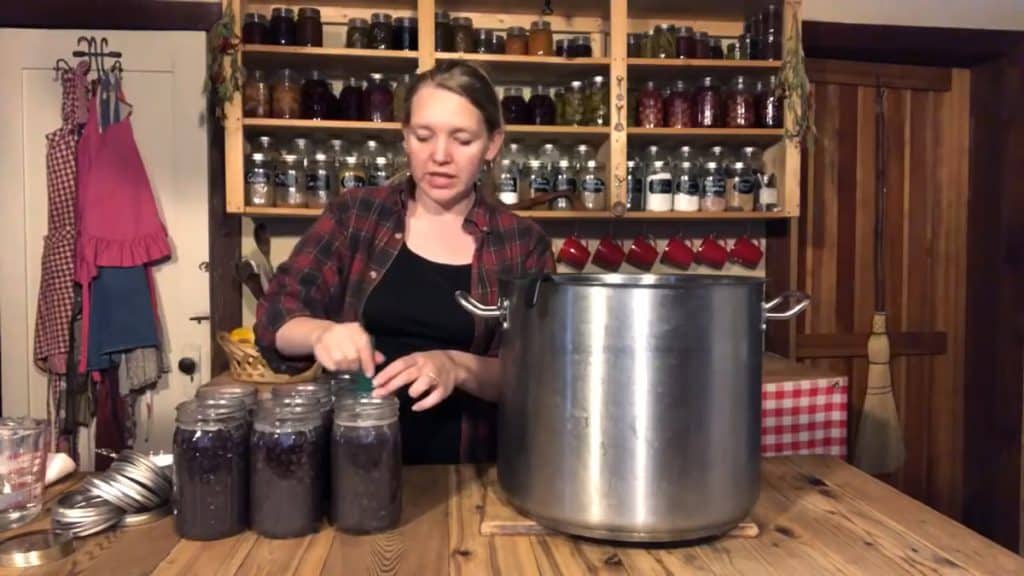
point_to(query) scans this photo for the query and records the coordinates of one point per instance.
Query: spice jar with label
(211, 468)
(769, 104)
(352, 173)
(712, 187)
(516, 40)
(350, 105)
(366, 463)
(663, 44)
(542, 107)
(282, 26)
(507, 182)
(320, 180)
(686, 195)
(380, 31)
(593, 190)
(290, 182)
(539, 178)
(649, 107)
(462, 33)
(514, 109)
(740, 187)
(679, 109)
(686, 43)
(595, 109)
(358, 33)
(286, 484)
(658, 186)
(634, 187)
(300, 148)
(317, 97)
(542, 40)
(256, 97)
(709, 104)
(256, 29)
(309, 30)
(740, 111)
(702, 45)
(405, 34)
(565, 183)
(286, 94)
(379, 101)
(379, 171)
(573, 104)
(259, 180)
(444, 40)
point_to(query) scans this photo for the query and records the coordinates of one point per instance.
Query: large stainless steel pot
(631, 404)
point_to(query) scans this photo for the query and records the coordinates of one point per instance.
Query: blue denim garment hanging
(122, 315)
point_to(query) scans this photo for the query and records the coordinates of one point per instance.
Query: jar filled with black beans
(211, 469)
(358, 33)
(444, 40)
(380, 31)
(282, 26)
(256, 29)
(542, 107)
(309, 28)
(405, 34)
(317, 97)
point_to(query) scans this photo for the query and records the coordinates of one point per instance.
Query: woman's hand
(432, 371)
(346, 347)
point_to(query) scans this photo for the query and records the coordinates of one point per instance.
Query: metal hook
(103, 50)
(58, 69)
(547, 11)
(117, 69)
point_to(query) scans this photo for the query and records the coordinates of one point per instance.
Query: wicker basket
(247, 365)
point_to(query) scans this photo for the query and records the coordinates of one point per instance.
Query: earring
(488, 165)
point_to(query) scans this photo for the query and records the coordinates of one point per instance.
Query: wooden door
(927, 135)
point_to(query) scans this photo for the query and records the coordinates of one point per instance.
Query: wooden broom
(879, 448)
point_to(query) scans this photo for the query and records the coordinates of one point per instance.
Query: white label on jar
(685, 203)
(540, 185)
(508, 184)
(353, 181)
(508, 198)
(593, 184)
(769, 196)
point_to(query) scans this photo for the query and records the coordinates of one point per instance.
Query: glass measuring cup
(23, 443)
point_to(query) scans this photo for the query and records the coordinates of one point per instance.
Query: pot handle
(483, 311)
(802, 302)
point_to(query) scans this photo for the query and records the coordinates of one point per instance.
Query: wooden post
(234, 139)
(618, 81)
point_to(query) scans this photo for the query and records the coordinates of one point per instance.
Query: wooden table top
(817, 515)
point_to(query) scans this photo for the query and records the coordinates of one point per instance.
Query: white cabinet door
(163, 75)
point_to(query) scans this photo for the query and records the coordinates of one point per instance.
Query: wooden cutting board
(499, 518)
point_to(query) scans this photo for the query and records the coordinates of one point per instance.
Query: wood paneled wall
(927, 134)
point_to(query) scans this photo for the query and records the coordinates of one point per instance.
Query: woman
(371, 285)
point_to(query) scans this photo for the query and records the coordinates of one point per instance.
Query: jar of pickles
(380, 31)
(514, 109)
(663, 44)
(444, 40)
(769, 104)
(686, 43)
(406, 34)
(712, 187)
(679, 109)
(507, 182)
(309, 30)
(282, 26)
(595, 107)
(256, 96)
(256, 29)
(542, 107)
(516, 41)
(321, 186)
(573, 104)
(350, 101)
(462, 34)
(593, 191)
(379, 100)
(286, 94)
(317, 97)
(541, 42)
(286, 484)
(352, 173)
(400, 94)
(565, 183)
(649, 106)
(358, 33)
(740, 111)
(290, 182)
(686, 193)
(211, 469)
(259, 180)
(634, 187)
(709, 104)
(366, 463)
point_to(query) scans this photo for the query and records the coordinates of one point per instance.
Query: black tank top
(412, 309)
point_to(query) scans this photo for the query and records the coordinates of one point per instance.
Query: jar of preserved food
(649, 108)
(211, 469)
(406, 34)
(740, 111)
(320, 180)
(352, 174)
(574, 103)
(300, 148)
(634, 46)
(351, 99)
(290, 182)
(317, 97)
(507, 182)
(663, 44)
(483, 41)
(313, 396)
(562, 47)
(539, 178)
(542, 41)
(559, 97)
(581, 48)
(366, 463)
(771, 24)
(542, 107)
(592, 186)
(337, 152)
(286, 484)
(444, 39)
(731, 53)
(753, 30)
(631, 106)
(686, 193)
(499, 43)
(712, 187)
(379, 101)
(514, 109)
(245, 392)
(309, 30)
(381, 31)
(516, 40)
(769, 106)
(400, 94)
(358, 33)
(658, 187)
(256, 29)
(646, 45)
(286, 94)
(709, 104)
(256, 97)
(282, 26)
(462, 33)
(702, 45)
(595, 108)
(715, 51)
(379, 171)
(686, 43)
(743, 47)
(634, 187)
(259, 178)
(740, 188)
(679, 108)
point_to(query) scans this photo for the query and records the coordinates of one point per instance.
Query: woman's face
(447, 142)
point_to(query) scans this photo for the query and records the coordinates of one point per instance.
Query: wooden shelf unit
(607, 23)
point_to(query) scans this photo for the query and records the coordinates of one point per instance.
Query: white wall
(993, 14)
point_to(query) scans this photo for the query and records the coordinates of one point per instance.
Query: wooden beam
(871, 74)
(855, 345)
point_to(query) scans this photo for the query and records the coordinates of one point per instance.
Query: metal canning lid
(35, 548)
(143, 518)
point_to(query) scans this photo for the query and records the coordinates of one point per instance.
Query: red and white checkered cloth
(804, 417)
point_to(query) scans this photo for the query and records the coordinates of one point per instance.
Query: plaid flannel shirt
(341, 258)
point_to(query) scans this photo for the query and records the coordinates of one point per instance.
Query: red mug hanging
(609, 254)
(747, 252)
(643, 252)
(711, 253)
(574, 252)
(678, 253)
